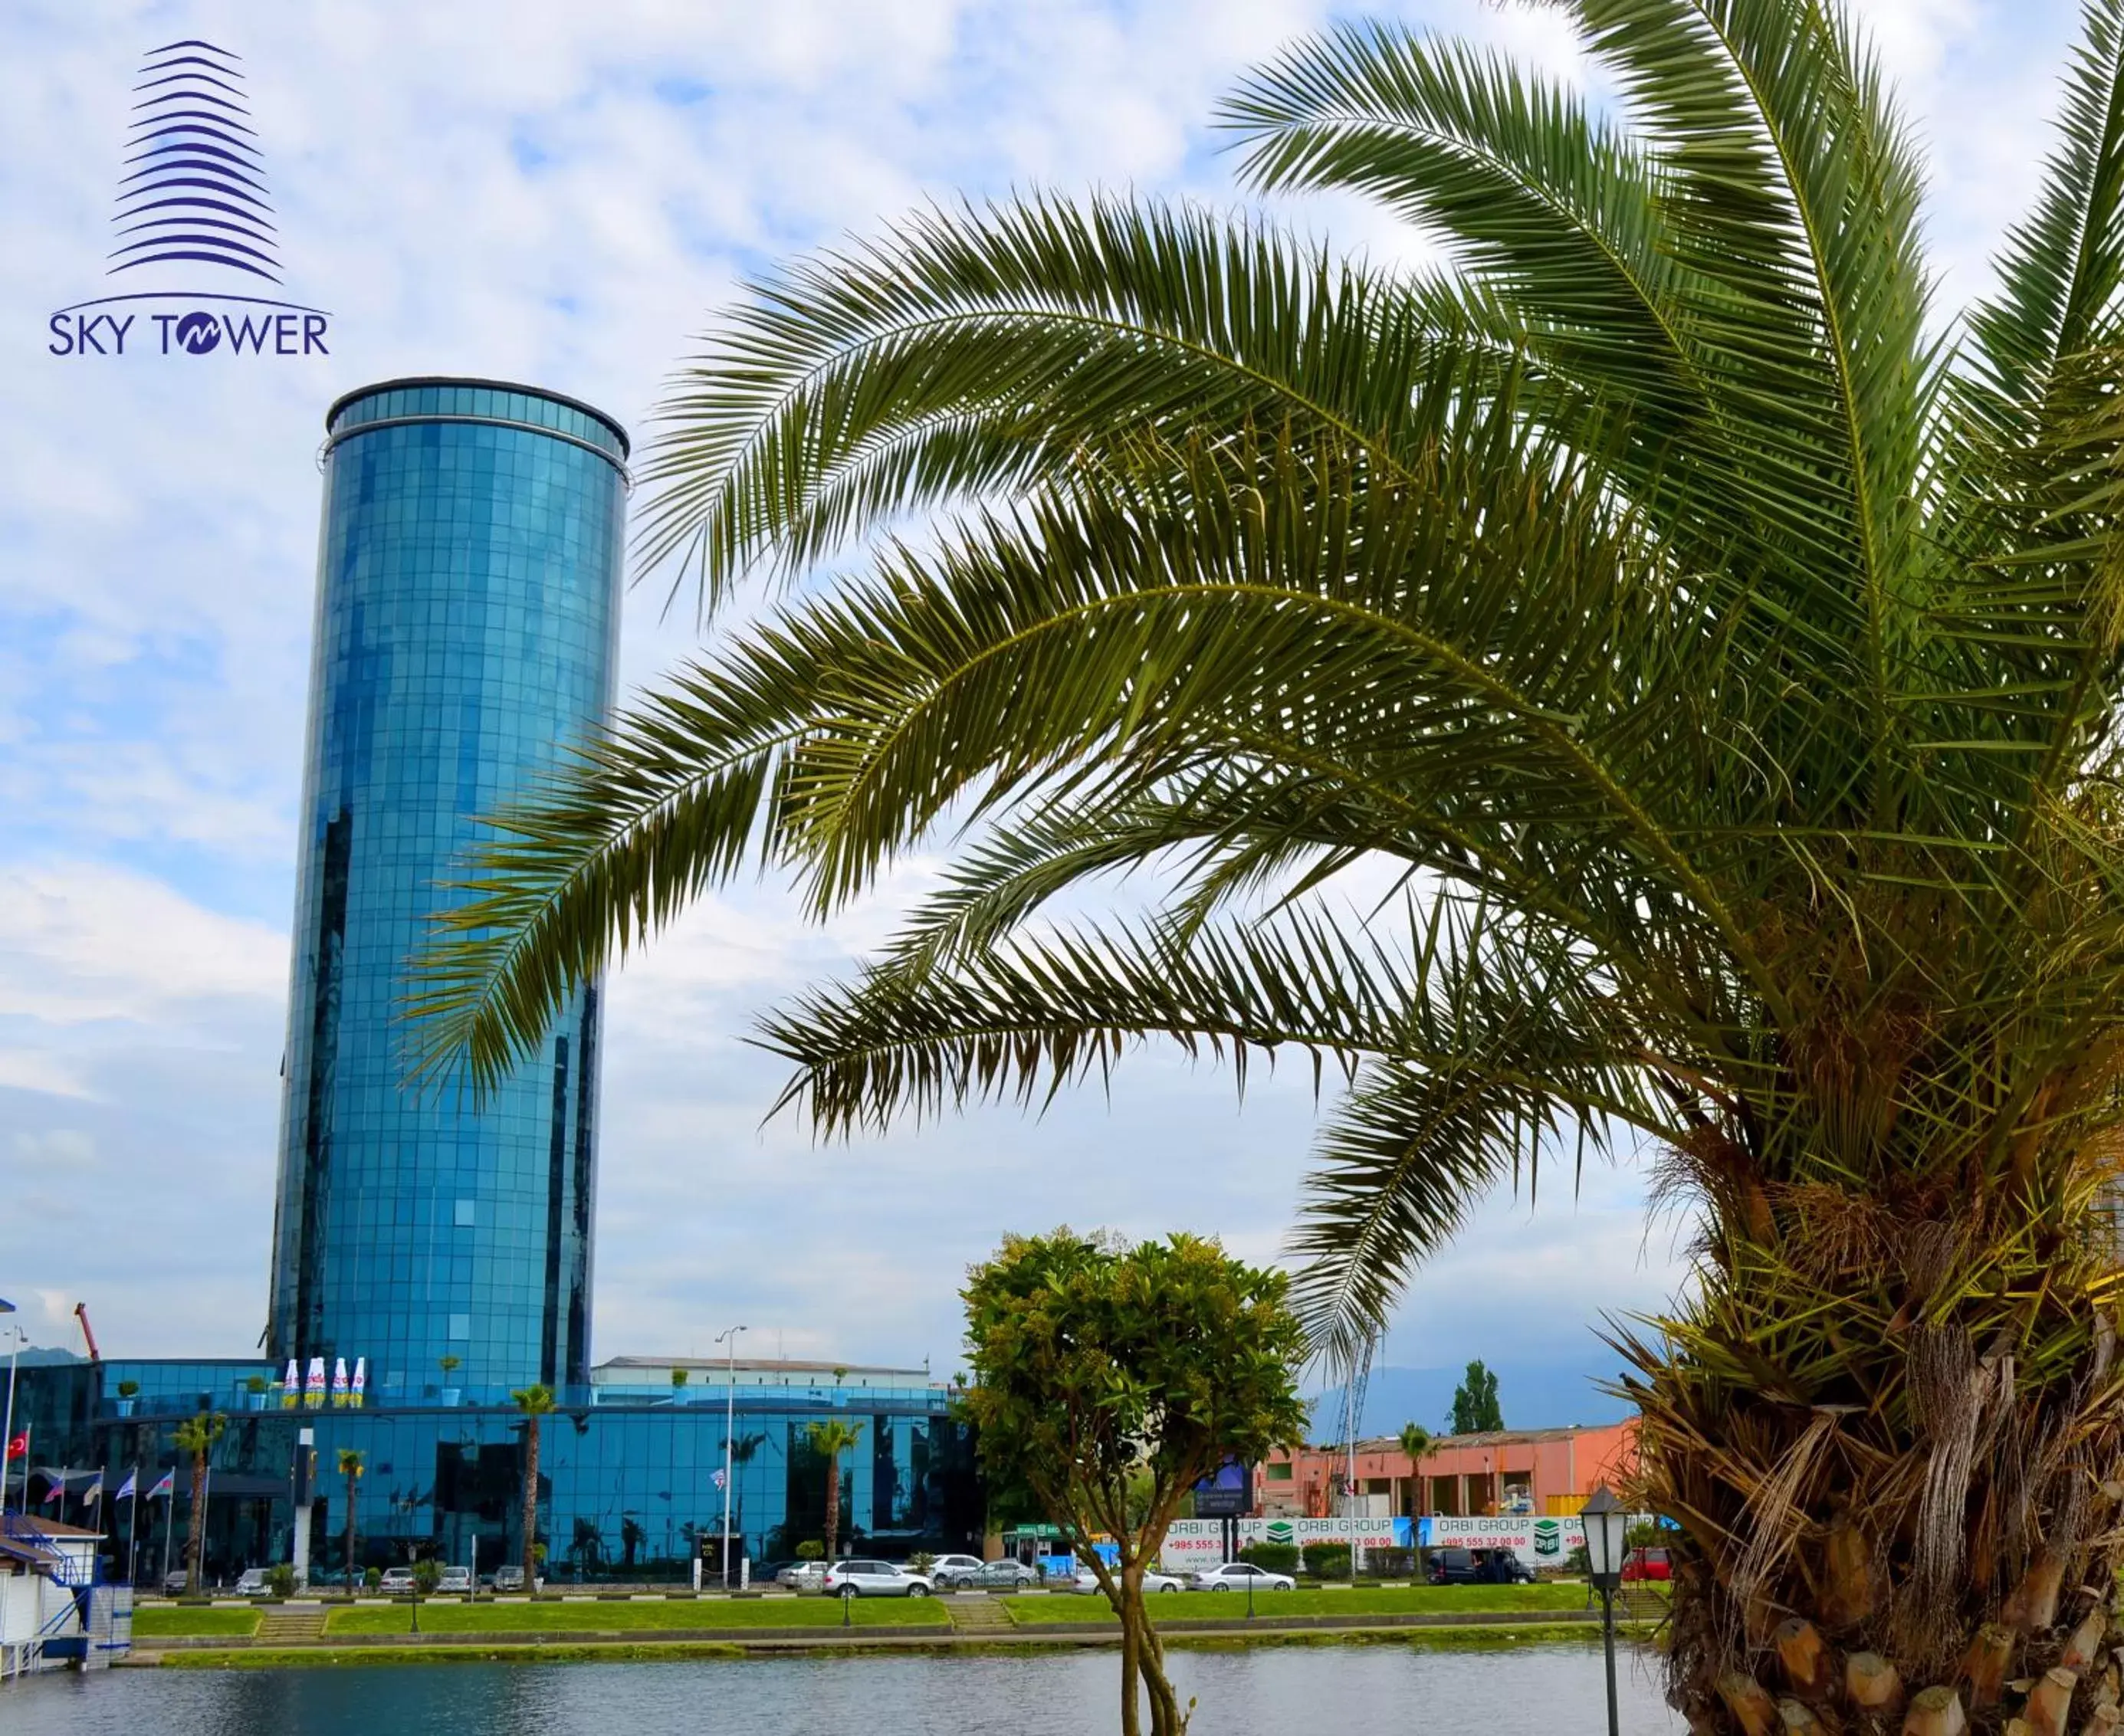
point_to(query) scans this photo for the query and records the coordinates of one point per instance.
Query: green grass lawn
(1367, 1600)
(160, 1623)
(707, 1615)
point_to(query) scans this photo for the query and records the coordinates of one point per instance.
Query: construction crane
(87, 1331)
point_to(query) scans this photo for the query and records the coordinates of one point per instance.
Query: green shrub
(810, 1550)
(1327, 1561)
(280, 1577)
(1274, 1558)
(372, 1578)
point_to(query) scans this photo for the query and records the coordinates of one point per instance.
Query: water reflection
(1548, 1691)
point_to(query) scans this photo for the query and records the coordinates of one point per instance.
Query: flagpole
(8, 1429)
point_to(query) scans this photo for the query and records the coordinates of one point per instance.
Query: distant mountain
(34, 1356)
(1532, 1395)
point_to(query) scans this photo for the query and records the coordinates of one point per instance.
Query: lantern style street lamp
(1607, 1541)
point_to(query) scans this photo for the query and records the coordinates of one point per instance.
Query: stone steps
(291, 1624)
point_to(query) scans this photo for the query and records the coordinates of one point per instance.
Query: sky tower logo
(195, 246)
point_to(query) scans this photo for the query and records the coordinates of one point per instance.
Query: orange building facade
(1533, 1470)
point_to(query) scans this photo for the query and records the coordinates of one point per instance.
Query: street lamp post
(1607, 1537)
(729, 1424)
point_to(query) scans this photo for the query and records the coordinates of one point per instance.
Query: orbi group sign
(1538, 1543)
(1197, 1543)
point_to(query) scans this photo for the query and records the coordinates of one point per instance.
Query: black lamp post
(1607, 1538)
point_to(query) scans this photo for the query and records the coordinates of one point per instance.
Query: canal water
(1540, 1691)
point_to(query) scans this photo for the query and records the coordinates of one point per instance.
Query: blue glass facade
(466, 625)
(626, 1477)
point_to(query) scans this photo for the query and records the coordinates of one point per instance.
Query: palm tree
(1646, 684)
(1415, 1441)
(196, 1435)
(351, 1466)
(534, 1402)
(831, 1440)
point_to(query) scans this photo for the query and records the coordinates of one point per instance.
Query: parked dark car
(1478, 1567)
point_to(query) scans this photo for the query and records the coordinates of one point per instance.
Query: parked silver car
(1236, 1575)
(865, 1578)
(1005, 1575)
(948, 1570)
(1087, 1582)
(802, 1575)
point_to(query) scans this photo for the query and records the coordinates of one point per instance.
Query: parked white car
(455, 1579)
(1238, 1575)
(951, 1570)
(396, 1581)
(1087, 1582)
(802, 1576)
(251, 1583)
(861, 1579)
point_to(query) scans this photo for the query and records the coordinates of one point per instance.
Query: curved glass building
(467, 627)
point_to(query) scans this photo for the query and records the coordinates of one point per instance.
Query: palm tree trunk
(530, 1501)
(833, 1504)
(195, 1540)
(350, 1480)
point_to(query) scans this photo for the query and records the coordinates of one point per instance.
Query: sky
(566, 195)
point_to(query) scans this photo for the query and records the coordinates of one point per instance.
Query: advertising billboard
(1227, 1493)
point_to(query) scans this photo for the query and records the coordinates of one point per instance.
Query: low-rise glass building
(629, 1468)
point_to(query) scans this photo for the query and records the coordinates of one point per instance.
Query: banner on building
(314, 1385)
(291, 1387)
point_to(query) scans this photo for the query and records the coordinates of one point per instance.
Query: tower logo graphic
(195, 243)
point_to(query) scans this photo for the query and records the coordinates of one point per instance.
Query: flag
(94, 1492)
(19, 1447)
(715, 1477)
(58, 1488)
(161, 1491)
(126, 1488)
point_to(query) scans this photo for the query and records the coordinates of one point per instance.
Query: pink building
(1539, 1470)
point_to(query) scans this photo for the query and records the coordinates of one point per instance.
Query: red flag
(19, 1447)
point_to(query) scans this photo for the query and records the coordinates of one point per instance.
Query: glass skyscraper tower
(466, 629)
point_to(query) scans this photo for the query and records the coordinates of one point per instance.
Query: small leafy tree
(427, 1575)
(1108, 1380)
(810, 1550)
(196, 1435)
(449, 1365)
(832, 1440)
(129, 1389)
(534, 1402)
(350, 1467)
(677, 1378)
(1475, 1407)
(280, 1579)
